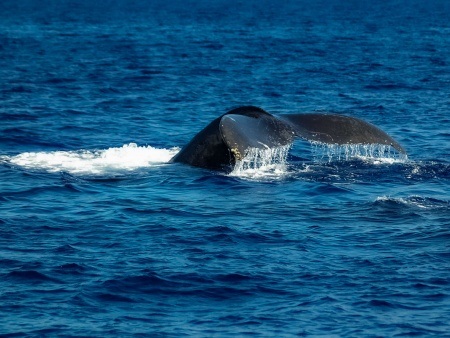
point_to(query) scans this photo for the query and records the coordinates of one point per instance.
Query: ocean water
(100, 236)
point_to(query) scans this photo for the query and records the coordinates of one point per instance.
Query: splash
(126, 158)
(270, 163)
(376, 153)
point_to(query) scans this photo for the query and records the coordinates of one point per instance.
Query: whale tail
(228, 138)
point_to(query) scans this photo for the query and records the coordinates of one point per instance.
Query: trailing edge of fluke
(227, 138)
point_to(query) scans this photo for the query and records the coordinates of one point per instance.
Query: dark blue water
(100, 236)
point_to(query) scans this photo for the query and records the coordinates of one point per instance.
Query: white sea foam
(126, 158)
(270, 163)
(375, 153)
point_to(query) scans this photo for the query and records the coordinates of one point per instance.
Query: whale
(229, 137)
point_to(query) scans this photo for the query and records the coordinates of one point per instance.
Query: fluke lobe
(228, 138)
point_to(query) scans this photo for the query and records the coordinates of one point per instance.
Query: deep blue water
(100, 237)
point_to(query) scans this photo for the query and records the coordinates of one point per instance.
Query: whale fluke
(228, 138)
(339, 129)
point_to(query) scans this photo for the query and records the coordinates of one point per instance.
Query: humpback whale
(228, 138)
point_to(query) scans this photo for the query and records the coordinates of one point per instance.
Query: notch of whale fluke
(228, 138)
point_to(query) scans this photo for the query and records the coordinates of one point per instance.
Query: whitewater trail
(129, 157)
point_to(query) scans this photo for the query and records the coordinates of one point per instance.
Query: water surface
(100, 236)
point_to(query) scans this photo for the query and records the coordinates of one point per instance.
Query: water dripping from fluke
(268, 163)
(374, 153)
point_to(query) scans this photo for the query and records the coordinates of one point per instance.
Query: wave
(129, 157)
(415, 202)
